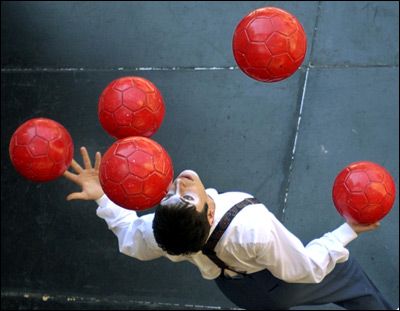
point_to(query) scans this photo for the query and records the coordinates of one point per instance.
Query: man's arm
(288, 259)
(135, 234)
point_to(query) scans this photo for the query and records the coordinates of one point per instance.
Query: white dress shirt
(255, 240)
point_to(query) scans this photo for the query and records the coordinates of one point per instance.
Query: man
(256, 262)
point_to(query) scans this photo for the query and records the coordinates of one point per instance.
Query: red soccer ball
(135, 173)
(269, 44)
(41, 149)
(131, 106)
(364, 192)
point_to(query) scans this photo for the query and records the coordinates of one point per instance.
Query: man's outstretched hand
(87, 178)
(359, 228)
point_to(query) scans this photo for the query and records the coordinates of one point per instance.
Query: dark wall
(236, 132)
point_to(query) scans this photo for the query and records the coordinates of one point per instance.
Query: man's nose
(179, 185)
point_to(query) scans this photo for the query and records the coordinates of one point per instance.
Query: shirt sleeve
(135, 234)
(285, 256)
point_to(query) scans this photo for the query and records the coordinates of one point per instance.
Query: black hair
(180, 229)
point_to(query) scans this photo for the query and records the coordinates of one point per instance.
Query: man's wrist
(345, 234)
(101, 199)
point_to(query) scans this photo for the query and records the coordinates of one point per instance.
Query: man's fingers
(77, 196)
(376, 225)
(97, 161)
(371, 226)
(86, 158)
(75, 165)
(71, 176)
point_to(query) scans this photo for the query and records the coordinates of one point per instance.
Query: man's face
(187, 187)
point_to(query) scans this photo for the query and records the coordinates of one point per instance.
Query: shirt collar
(218, 213)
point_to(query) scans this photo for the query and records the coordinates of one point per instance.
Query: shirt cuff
(345, 234)
(102, 200)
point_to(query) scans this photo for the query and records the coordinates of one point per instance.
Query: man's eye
(167, 196)
(188, 197)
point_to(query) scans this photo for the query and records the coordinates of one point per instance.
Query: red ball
(135, 173)
(41, 149)
(269, 44)
(131, 106)
(364, 192)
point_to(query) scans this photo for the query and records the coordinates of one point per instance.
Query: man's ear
(211, 213)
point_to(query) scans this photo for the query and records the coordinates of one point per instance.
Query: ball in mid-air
(135, 173)
(131, 106)
(269, 44)
(41, 149)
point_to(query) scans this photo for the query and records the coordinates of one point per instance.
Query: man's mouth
(188, 174)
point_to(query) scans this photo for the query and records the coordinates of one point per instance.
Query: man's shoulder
(249, 215)
(253, 224)
(233, 196)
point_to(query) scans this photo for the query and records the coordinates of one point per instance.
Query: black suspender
(208, 248)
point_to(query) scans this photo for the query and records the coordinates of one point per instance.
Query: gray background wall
(342, 106)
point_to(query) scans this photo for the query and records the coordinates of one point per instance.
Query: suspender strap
(208, 248)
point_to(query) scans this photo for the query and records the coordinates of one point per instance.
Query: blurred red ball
(269, 44)
(41, 149)
(135, 173)
(131, 106)
(364, 192)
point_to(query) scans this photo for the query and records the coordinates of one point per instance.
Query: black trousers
(347, 286)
